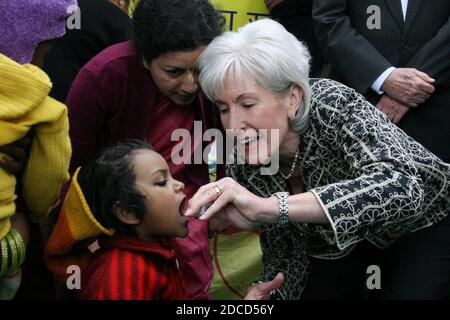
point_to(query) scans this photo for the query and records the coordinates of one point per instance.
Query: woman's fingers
(202, 197)
(262, 291)
(224, 198)
(276, 283)
(207, 195)
(218, 224)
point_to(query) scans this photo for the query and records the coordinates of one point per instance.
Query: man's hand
(393, 109)
(408, 86)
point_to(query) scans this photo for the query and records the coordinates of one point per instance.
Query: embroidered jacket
(373, 182)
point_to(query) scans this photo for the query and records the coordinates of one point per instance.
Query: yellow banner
(240, 12)
(236, 12)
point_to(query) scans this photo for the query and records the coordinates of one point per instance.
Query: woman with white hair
(352, 189)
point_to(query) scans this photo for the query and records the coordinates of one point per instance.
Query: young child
(128, 191)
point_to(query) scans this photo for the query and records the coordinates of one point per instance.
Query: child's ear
(125, 216)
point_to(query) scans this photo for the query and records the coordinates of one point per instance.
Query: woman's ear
(295, 99)
(146, 64)
(125, 216)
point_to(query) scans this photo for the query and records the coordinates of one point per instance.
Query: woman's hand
(217, 224)
(261, 291)
(231, 201)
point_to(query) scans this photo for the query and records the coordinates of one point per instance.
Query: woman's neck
(288, 148)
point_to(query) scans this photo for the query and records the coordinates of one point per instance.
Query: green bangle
(20, 245)
(14, 254)
(4, 248)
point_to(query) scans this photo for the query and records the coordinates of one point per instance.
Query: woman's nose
(179, 186)
(236, 120)
(190, 83)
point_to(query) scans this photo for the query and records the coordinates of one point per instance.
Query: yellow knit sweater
(24, 103)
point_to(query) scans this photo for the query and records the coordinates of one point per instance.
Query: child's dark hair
(162, 26)
(108, 183)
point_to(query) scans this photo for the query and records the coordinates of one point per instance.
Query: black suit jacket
(358, 55)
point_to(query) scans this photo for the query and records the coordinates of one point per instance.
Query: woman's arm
(303, 207)
(282, 244)
(380, 194)
(245, 210)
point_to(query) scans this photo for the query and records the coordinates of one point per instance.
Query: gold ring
(218, 190)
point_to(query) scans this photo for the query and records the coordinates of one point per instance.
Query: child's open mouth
(183, 208)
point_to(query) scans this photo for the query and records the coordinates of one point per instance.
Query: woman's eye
(162, 183)
(174, 72)
(223, 111)
(248, 105)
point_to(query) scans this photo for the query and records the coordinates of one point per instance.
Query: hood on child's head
(26, 23)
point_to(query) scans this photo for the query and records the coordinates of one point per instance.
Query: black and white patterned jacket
(373, 181)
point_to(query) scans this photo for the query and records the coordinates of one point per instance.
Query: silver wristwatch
(283, 208)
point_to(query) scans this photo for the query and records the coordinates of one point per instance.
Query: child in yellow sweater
(25, 105)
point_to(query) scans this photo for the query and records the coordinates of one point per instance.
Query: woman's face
(164, 197)
(176, 75)
(246, 107)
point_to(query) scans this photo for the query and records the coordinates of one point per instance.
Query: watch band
(283, 208)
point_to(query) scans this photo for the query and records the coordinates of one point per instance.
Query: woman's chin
(255, 156)
(256, 161)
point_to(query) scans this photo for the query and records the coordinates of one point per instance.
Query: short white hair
(268, 53)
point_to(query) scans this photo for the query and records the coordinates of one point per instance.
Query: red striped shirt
(128, 268)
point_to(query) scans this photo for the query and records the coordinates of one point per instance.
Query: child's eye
(161, 183)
